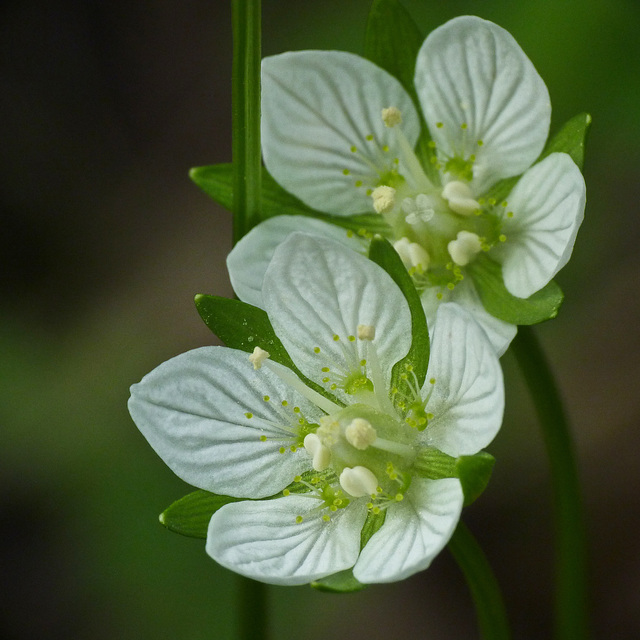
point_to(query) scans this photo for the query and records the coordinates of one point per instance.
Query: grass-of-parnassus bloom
(340, 134)
(243, 425)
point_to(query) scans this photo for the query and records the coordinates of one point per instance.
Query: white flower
(229, 428)
(339, 133)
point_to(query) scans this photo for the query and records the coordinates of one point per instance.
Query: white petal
(192, 410)
(414, 532)
(315, 289)
(548, 207)
(263, 541)
(316, 106)
(471, 71)
(249, 259)
(468, 394)
(500, 333)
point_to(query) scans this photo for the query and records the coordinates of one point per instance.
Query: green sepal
(383, 254)
(242, 326)
(373, 522)
(341, 582)
(570, 140)
(344, 581)
(217, 182)
(473, 471)
(190, 515)
(542, 305)
(392, 41)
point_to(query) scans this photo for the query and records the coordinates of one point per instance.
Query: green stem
(571, 620)
(492, 617)
(246, 22)
(253, 610)
(245, 97)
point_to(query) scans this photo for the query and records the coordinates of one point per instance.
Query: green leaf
(342, 582)
(392, 41)
(190, 515)
(542, 305)
(383, 254)
(474, 473)
(217, 182)
(570, 139)
(242, 326)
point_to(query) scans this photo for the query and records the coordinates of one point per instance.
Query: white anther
(412, 254)
(418, 210)
(328, 431)
(321, 455)
(358, 481)
(391, 116)
(464, 247)
(384, 199)
(459, 196)
(258, 357)
(366, 332)
(360, 434)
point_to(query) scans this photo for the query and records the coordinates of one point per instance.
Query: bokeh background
(104, 241)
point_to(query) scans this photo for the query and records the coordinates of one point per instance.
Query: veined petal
(204, 413)
(249, 259)
(548, 207)
(414, 532)
(263, 541)
(474, 79)
(500, 333)
(322, 128)
(468, 395)
(317, 292)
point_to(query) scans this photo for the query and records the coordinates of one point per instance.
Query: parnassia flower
(246, 426)
(340, 133)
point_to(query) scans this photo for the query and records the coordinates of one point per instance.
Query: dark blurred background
(104, 241)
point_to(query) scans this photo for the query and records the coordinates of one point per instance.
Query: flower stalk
(246, 21)
(571, 547)
(492, 617)
(246, 25)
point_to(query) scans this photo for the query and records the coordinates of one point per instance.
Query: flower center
(437, 231)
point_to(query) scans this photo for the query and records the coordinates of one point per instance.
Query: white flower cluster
(319, 451)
